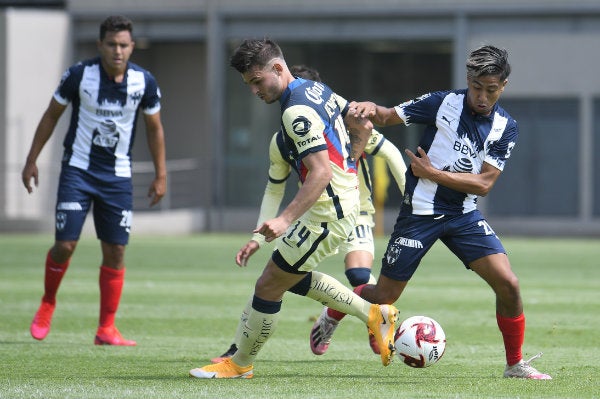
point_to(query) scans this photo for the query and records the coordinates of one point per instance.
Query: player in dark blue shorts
(106, 92)
(112, 203)
(467, 140)
(467, 235)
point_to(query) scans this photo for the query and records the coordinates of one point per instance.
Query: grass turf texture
(183, 296)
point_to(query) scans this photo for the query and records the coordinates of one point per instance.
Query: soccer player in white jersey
(106, 93)
(467, 140)
(359, 247)
(317, 220)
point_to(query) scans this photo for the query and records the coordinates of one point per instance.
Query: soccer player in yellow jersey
(358, 248)
(317, 220)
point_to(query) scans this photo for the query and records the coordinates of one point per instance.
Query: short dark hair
(305, 72)
(115, 23)
(488, 60)
(254, 52)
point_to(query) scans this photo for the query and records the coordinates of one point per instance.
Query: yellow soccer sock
(243, 319)
(254, 333)
(331, 293)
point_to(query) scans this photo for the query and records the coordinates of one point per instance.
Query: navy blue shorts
(468, 236)
(113, 202)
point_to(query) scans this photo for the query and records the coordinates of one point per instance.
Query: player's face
(115, 50)
(484, 92)
(266, 83)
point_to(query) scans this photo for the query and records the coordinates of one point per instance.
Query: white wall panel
(37, 47)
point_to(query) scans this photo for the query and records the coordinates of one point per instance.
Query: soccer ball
(420, 341)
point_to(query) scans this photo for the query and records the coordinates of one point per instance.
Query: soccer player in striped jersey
(467, 140)
(106, 92)
(359, 247)
(317, 220)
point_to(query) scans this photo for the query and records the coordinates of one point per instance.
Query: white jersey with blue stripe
(456, 140)
(103, 120)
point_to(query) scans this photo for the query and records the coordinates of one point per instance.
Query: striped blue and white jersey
(457, 140)
(103, 120)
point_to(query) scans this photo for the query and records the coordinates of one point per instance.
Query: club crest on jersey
(136, 97)
(301, 126)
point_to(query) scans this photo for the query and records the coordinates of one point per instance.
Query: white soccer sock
(254, 333)
(372, 279)
(330, 292)
(243, 319)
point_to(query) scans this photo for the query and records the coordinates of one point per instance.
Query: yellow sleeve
(392, 155)
(305, 128)
(279, 171)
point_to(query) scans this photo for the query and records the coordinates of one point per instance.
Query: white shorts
(361, 238)
(305, 244)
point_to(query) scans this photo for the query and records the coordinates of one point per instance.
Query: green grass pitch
(183, 297)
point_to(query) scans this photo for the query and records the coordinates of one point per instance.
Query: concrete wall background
(37, 50)
(553, 49)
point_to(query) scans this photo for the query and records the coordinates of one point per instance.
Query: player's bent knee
(63, 250)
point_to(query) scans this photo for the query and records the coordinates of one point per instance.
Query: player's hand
(246, 252)
(30, 171)
(420, 165)
(157, 190)
(273, 228)
(364, 109)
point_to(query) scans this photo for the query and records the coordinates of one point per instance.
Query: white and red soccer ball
(420, 341)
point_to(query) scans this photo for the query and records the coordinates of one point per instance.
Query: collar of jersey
(288, 90)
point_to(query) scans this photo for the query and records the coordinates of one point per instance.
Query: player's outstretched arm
(380, 116)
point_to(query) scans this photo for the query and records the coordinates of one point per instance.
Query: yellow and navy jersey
(280, 168)
(311, 121)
